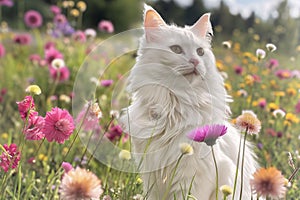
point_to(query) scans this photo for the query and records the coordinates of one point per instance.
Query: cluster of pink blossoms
(57, 125)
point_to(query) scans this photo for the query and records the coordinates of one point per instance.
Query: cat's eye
(200, 51)
(176, 49)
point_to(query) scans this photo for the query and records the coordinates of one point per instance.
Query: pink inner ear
(153, 20)
(202, 26)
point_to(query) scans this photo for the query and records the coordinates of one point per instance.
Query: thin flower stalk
(217, 173)
(242, 167)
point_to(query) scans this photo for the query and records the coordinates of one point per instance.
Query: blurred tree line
(125, 14)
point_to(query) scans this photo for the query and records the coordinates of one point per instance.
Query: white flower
(278, 112)
(226, 44)
(58, 63)
(186, 148)
(260, 54)
(271, 47)
(124, 155)
(34, 89)
(90, 33)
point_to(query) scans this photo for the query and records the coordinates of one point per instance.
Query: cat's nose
(194, 61)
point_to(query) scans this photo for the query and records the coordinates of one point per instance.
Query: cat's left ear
(202, 27)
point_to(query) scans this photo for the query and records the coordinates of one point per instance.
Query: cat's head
(186, 50)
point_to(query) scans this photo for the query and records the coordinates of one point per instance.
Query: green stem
(173, 175)
(243, 158)
(237, 169)
(217, 173)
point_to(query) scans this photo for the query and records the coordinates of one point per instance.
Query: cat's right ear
(152, 22)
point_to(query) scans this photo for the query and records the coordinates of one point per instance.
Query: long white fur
(167, 105)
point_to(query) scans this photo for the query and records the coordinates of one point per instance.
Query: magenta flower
(106, 26)
(35, 58)
(55, 9)
(262, 103)
(208, 133)
(106, 83)
(10, 158)
(238, 70)
(59, 125)
(26, 107)
(22, 39)
(297, 107)
(60, 19)
(67, 166)
(89, 118)
(8, 3)
(34, 129)
(273, 63)
(2, 50)
(283, 73)
(79, 36)
(62, 73)
(33, 19)
(114, 133)
(49, 45)
(51, 54)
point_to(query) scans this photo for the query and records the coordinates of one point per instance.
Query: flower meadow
(42, 153)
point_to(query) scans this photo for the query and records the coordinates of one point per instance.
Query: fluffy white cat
(175, 88)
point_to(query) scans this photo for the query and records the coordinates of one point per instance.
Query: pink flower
(273, 63)
(8, 3)
(297, 107)
(51, 54)
(60, 19)
(238, 70)
(67, 166)
(79, 36)
(262, 103)
(55, 9)
(35, 58)
(10, 158)
(34, 129)
(295, 74)
(59, 125)
(89, 118)
(106, 83)
(208, 133)
(283, 73)
(62, 73)
(49, 45)
(33, 19)
(26, 106)
(22, 39)
(106, 26)
(114, 133)
(2, 50)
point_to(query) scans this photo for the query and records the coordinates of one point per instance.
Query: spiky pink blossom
(26, 106)
(10, 159)
(34, 129)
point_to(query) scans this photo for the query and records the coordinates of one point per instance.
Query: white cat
(175, 88)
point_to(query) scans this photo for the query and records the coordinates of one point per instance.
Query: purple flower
(106, 26)
(2, 50)
(8, 3)
(22, 39)
(55, 9)
(106, 83)
(33, 19)
(208, 133)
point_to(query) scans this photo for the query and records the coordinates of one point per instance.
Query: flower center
(33, 19)
(62, 125)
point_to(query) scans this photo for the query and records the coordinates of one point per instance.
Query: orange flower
(290, 118)
(268, 182)
(291, 91)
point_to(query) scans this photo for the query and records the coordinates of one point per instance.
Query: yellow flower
(242, 85)
(241, 93)
(249, 80)
(254, 103)
(226, 190)
(290, 118)
(220, 65)
(186, 148)
(42, 157)
(263, 86)
(279, 94)
(4, 136)
(272, 107)
(33, 89)
(291, 91)
(273, 84)
(74, 12)
(124, 155)
(81, 5)
(227, 86)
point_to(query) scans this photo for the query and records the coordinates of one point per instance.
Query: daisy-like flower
(268, 182)
(106, 26)
(34, 129)
(2, 50)
(59, 125)
(208, 133)
(80, 184)
(271, 47)
(248, 122)
(26, 106)
(33, 19)
(226, 44)
(10, 158)
(278, 113)
(260, 54)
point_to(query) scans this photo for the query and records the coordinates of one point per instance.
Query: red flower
(10, 158)
(59, 125)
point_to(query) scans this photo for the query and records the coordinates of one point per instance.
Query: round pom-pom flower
(33, 19)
